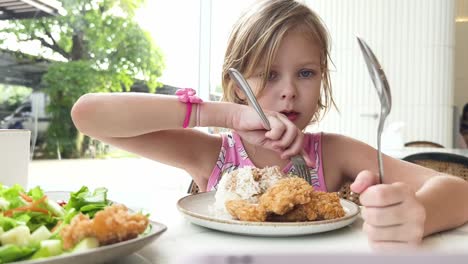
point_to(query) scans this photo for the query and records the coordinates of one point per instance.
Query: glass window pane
(224, 14)
(176, 31)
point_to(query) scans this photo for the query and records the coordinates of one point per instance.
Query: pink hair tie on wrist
(187, 96)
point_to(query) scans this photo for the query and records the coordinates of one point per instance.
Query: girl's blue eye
(306, 73)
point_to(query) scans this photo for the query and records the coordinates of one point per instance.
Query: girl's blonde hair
(256, 37)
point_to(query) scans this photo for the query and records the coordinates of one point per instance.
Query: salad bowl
(102, 254)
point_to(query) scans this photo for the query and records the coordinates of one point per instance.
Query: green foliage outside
(11, 96)
(103, 50)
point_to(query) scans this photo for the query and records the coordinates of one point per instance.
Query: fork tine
(301, 168)
(307, 174)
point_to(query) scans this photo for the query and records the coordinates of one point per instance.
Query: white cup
(14, 156)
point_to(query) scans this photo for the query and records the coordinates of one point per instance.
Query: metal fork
(298, 161)
(383, 90)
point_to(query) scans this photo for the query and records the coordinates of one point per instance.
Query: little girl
(282, 48)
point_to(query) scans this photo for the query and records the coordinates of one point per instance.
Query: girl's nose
(289, 91)
(288, 96)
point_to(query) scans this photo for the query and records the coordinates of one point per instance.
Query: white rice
(240, 184)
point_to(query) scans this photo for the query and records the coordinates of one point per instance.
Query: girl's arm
(123, 115)
(407, 188)
(444, 198)
(151, 125)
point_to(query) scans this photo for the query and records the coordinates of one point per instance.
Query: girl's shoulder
(343, 148)
(347, 156)
(334, 140)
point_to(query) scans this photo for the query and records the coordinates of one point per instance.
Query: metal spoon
(383, 90)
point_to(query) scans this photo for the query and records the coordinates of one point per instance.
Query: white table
(183, 237)
(156, 188)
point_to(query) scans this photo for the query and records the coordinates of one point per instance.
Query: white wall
(414, 41)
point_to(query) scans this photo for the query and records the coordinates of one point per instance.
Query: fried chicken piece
(79, 228)
(115, 224)
(111, 225)
(322, 206)
(289, 200)
(327, 205)
(299, 213)
(285, 195)
(246, 211)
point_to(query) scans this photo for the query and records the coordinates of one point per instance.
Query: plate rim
(264, 224)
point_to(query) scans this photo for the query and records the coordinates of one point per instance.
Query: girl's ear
(239, 93)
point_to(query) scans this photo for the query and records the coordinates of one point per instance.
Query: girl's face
(294, 81)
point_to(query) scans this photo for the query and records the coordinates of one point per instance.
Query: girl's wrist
(215, 114)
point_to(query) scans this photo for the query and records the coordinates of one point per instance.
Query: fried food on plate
(300, 213)
(79, 228)
(288, 200)
(285, 194)
(246, 211)
(111, 225)
(246, 183)
(322, 206)
(327, 205)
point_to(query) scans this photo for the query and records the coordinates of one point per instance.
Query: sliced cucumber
(18, 236)
(49, 248)
(86, 244)
(55, 208)
(42, 233)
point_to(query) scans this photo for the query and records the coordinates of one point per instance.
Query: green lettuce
(12, 252)
(88, 202)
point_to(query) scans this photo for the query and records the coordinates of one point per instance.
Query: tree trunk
(79, 47)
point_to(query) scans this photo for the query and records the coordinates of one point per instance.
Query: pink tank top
(233, 155)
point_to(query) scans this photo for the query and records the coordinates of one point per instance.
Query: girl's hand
(284, 137)
(393, 216)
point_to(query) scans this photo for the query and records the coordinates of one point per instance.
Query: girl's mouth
(292, 116)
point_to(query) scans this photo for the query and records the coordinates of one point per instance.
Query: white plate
(198, 209)
(101, 254)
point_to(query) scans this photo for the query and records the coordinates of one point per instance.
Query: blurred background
(52, 52)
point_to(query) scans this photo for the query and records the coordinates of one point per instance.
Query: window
(174, 26)
(224, 15)
(193, 39)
